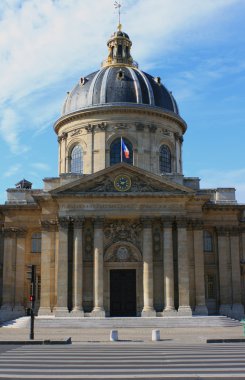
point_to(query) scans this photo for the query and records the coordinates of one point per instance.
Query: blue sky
(197, 47)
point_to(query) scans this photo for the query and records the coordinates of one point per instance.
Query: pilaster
(148, 310)
(49, 227)
(168, 266)
(19, 271)
(61, 309)
(224, 283)
(77, 310)
(183, 269)
(237, 309)
(98, 310)
(201, 308)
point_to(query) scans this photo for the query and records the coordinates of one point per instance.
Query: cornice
(124, 108)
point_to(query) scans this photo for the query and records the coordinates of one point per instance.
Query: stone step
(113, 323)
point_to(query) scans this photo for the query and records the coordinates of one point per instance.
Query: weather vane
(118, 6)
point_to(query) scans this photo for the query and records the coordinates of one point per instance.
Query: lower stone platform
(135, 322)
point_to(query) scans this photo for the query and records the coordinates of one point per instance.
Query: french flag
(125, 149)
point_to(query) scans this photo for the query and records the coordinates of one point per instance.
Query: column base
(201, 310)
(184, 311)
(77, 312)
(225, 309)
(169, 312)
(61, 312)
(44, 311)
(237, 311)
(148, 313)
(98, 312)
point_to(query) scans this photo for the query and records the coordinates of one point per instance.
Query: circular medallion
(122, 253)
(122, 182)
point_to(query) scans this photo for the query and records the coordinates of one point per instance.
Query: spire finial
(118, 6)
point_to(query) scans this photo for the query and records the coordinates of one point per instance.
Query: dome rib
(136, 85)
(103, 85)
(149, 88)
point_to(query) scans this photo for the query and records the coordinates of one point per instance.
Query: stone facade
(180, 248)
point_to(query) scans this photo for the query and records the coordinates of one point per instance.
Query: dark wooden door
(123, 293)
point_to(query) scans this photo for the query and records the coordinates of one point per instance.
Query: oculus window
(121, 151)
(165, 159)
(76, 164)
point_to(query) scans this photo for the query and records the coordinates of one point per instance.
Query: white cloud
(10, 128)
(12, 170)
(40, 166)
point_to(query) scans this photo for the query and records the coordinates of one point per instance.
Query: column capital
(89, 128)
(222, 231)
(9, 232)
(64, 222)
(99, 222)
(78, 222)
(182, 222)
(167, 222)
(234, 231)
(147, 222)
(49, 225)
(196, 224)
(21, 232)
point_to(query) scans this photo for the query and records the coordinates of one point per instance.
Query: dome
(119, 83)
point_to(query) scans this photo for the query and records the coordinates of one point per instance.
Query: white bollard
(113, 335)
(155, 335)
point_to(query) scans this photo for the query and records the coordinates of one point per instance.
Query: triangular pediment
(121, 178)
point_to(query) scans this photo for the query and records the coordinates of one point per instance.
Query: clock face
(122, 182)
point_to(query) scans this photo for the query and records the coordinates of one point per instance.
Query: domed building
(121, 231)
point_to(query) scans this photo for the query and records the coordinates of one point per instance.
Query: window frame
(76, 164)
(165, 159)
(36, 242)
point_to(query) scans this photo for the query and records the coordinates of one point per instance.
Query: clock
(122, 182)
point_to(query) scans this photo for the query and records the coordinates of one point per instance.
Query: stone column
(61, 309)
(183, 269)
(224, 277)
(237, 307)
(20, 272)
(77, 310)
(148, 310)
(90, 147)
(47, 250)
(98, 310)
(8, 274)
(201, 308)
(168, 266)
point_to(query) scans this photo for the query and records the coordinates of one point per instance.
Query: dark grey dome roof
(117, 85)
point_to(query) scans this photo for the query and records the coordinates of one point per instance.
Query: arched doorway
(123, 280)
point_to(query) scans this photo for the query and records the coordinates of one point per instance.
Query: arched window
(165, 159)
(76, 165)
(121, 150)
(36, 242)
(207, 241)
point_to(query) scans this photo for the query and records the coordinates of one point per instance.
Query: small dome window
(157, 80)
(120, 75)
(76, 160)
(165, 159)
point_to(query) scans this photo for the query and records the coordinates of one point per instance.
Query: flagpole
(121, 148)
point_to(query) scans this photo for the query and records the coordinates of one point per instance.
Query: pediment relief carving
(123, 230)
(106, 184)
(122, 252)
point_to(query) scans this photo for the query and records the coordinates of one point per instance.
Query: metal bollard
(113, 335)
(155, 335)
